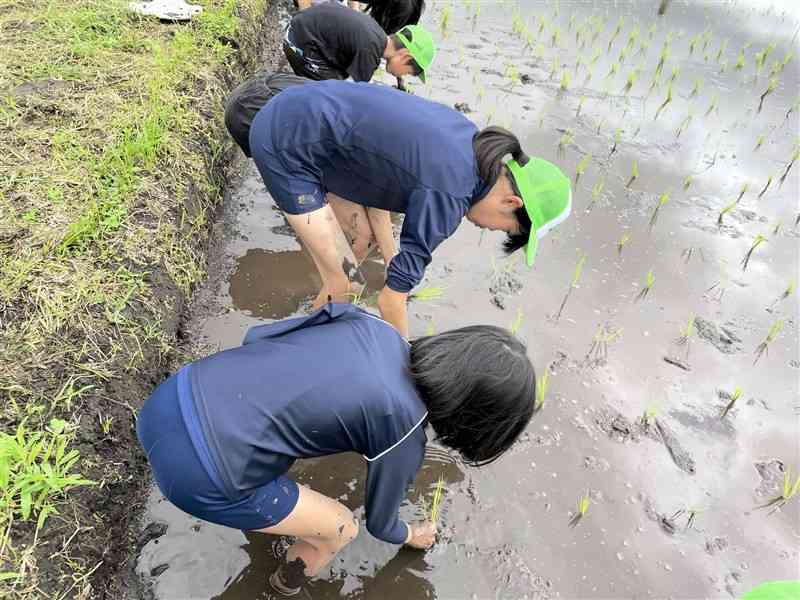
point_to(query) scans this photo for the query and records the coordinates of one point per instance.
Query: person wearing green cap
(383, 150)
(329, 41)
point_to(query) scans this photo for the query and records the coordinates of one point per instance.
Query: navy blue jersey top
(378, 147)
(335, 381)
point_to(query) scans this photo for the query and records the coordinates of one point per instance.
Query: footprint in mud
(504, 283)
(722, 337)
(618, 427)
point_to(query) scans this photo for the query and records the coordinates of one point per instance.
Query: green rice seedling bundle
(542, 383)
(617, 138)
(583, 507)
(662, 200)
(579, 170)
(771, 85)
(687, 182)
(687, 333)
(759, 142)
(576, 277)
(773, 332)
(648, 285)
(598, 351)
(757, 241)
(428, 294)
(667, 100)
(684, 124)
(597, 190)
(789, 490)
(795, 157)
(621, 242)
(634, 174)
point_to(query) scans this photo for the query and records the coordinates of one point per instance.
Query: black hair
(479, 387)
(491, 146)
(393, 15)
(398, 43)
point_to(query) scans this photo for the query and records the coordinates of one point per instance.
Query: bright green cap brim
(420, 46)
(775, 590)
(547, 196)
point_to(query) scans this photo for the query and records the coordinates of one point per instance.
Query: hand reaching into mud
(423, 535)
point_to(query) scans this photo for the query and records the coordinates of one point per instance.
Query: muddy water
(505, 531)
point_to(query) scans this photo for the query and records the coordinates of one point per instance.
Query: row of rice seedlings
(576, 277)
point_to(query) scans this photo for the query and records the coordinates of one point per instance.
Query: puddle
(505, 531)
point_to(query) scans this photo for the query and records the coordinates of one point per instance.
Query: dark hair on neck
(399, 45)
(393, 15)
(491, 146)
(479, 387)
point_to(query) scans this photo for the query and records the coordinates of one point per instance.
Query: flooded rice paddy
(632, 415)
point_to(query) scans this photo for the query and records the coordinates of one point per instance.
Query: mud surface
(673, 487)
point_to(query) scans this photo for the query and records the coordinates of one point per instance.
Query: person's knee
(346, 531)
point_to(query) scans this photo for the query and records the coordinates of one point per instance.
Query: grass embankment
(111, 160)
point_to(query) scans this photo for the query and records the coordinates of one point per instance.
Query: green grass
(104, 204)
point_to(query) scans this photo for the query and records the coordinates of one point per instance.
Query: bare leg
(355, 223)
(322, 526)
(323, 237)
(381, 222)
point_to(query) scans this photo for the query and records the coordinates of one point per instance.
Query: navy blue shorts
(295, 193)
(184, 481)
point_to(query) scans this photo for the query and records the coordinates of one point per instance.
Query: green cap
(775, 590)
(547, 196)
(420, 46)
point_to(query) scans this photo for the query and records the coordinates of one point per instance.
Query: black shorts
(250, 97)
(312, 67)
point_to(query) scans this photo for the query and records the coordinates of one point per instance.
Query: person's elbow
(386, 532)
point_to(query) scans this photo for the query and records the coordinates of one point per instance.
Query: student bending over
(221, 433)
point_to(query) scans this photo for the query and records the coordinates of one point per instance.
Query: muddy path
(641, 435)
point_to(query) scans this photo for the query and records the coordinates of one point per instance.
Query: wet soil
(673, 487)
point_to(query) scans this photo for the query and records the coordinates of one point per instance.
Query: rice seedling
(786, 293)
(621, 243)
(693, 43)
(771, 85)
(438, 494)
(759, 142)
(583, 507)
(612, 71)
(653, 86)
(595, 57)
(773, 332)
(684, 124)
(634, 174)
(428, 294)
(617, 138)
(687, 182)
(723, 67)
(564, 85)
(789, 166)
(517, 323)
(757, 241)
(576, 277)
(725, 211)
(650, 415)
(579, 170)
(742, 192)
(778, 224)
(554, 68)
(687, 333)
(598, 351)
(667, 100)
(632, 76)
(651, 31)
(597, 191)
(648, 285)
(512, 74)
(662, 200)
(555, 38)
(788, 491)
(698, 83)
(713, 106)
(564, 142)
(623, 55)
(739, 61)
(662, 59)
(600, 124)
(444, 20)
(722, 48)
(581, 100)
(542, 383)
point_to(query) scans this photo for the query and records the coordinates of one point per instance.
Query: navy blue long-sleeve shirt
(335, 381)
(378, 147)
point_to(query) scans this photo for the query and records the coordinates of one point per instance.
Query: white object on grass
(169, 10)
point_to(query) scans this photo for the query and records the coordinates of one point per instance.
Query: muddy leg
(323, 237)
(322, 526)
(355, 224)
